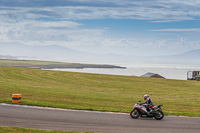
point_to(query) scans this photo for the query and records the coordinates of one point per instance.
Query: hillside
(40, 52)
(59, 53)
(97, 92)
(50, 65)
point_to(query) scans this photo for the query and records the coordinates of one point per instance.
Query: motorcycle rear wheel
(134, 114)
(158, 115)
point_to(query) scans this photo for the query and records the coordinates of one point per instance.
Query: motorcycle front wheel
(134, 114)
(158, 115)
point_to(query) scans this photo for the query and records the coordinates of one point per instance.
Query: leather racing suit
(149, 104)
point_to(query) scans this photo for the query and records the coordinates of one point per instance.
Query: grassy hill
(50, 65)
(26, 130)
(97, 91)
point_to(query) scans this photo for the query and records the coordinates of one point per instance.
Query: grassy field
(25, 130)
(28, 63)
(97, 91)
(50, 65)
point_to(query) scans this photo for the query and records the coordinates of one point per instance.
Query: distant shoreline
(51, 65)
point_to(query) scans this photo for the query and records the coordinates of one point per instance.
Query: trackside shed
(152, 75)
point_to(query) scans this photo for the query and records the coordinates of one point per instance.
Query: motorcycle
(139, 110)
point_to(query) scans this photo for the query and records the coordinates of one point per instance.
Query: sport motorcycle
(140, 110)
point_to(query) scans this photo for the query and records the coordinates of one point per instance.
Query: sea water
(167, 70)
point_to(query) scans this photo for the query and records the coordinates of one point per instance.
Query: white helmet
(146, 96)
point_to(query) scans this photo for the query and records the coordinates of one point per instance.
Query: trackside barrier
(16, 98)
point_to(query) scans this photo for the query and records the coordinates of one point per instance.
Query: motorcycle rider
(149, 104)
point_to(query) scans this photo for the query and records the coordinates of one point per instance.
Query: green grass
(97, 91)
(27, 63)
(25, 130)
(49, 65)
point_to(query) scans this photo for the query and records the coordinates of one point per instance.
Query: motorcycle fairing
(157, 106)
(142, 110)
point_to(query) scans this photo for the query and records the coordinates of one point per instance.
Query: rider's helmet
(146, 96)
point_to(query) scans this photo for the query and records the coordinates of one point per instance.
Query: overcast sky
(128, 27)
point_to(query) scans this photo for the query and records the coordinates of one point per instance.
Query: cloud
(46, 32)
(156, 10)
(170, 44)
(178, 30)
(55, 22)
(69, 34)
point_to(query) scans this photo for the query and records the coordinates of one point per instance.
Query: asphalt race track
(70, 120)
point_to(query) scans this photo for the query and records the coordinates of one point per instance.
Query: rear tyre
(158, 115)
(134, 114)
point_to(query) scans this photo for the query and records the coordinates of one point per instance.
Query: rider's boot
(148, 113)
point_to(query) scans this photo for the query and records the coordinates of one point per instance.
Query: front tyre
(134, 114)
(158, 115)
